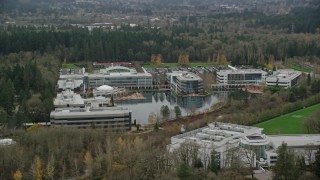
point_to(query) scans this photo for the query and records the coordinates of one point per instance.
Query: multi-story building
(228, 141)
(118, 76)
(241, 76)
(113, 118)
(71, 79)
(68, 98)
(284, 78)
(184, 82)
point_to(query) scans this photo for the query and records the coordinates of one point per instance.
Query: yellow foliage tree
(137, 140)
(223, 59)
(120, 141)
(37, 168)
(156, 59)
(183, 59)
(88, 161)
(50, 169)
(34, 127)
(17, 175)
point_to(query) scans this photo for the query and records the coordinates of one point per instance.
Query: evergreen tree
(198, 163)
(316, 165)
(165, 112)
(184, 171)
(285, 168)
(213, 164)
(177, 111)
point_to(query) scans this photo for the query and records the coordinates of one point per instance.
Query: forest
(128, 44)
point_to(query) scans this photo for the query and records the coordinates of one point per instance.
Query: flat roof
(60, 113)
(67, 71)
(69, 83)
(185, 75)
(68, 97)
(295, 140)
(284, 75)
(189, 77)
(120, 75)
(241, 71)
(219, 133)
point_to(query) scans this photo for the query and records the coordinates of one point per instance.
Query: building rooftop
(241, 71)
(87, 112)
(218, 134)
(185, 75)
(6, 142)
(119, 71)
(105, 88)
(69, 83)
(283, 75)
(295, 140)
(68, 97)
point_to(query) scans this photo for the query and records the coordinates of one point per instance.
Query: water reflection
(142, 108)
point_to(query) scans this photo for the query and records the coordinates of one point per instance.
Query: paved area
(259, 174)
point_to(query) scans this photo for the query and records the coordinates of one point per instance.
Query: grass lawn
(299, 68)
(193, 64)
(70, 66)
(291, 123)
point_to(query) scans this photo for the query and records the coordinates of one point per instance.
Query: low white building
(241, 76)
(284, 78)
(224, 138)
(112, 118)
(108, 91)
(6, 142)
(118, 76)
(68, 98)
(305, 145)
(248, 144)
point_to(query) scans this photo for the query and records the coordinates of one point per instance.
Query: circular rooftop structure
(105, 88)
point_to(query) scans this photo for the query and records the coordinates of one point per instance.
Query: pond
(141, 109)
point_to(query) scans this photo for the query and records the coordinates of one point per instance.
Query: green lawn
(299, 68)
(291, 123)
(193, 64)
(70, 66)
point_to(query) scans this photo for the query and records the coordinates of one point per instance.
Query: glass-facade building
(241, 76)
(118, 77)
(185, 82)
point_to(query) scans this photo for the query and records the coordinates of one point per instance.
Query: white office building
(113, 118)
(71, 79)
(305, 145)
(68, 98)
(108, 91)
(284, 78)
(118, 76)
(241, 76)
(224, 138)
(230, 140)
(184, 82)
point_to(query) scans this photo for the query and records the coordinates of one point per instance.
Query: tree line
(127, 44)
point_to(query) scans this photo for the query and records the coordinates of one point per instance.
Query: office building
(108, 91)
(185, 83)
(284, 78)
(241, 76)
(241, 141)
(68, 98)
(113, 118)
(304, 145)
(118, 76)
(71, 79)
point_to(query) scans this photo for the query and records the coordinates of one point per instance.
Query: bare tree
(248, 156)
